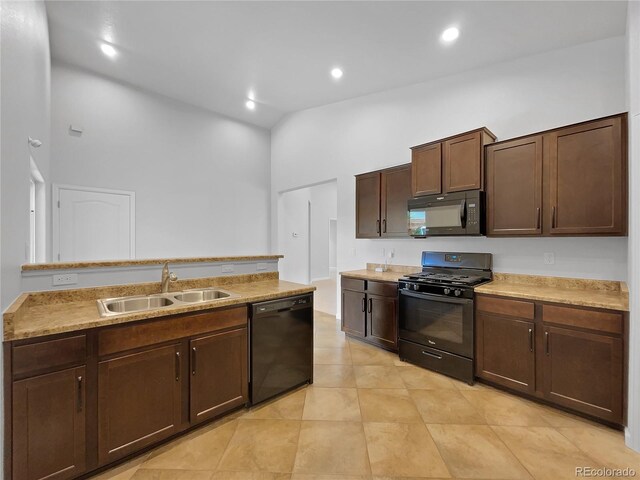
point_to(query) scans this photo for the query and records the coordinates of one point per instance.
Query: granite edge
(149, 261)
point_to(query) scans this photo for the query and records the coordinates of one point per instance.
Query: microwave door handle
(463, 212)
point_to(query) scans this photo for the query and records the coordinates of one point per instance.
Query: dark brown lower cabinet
(218, 371)
(570, 356)
(505, 351)
(49, 426)
(139, 400)
(381, 328)
(583, 371)
(370, 311)
(353, 312)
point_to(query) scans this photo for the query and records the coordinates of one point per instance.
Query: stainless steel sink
(135, 304)
(202, 295)
(138, 303)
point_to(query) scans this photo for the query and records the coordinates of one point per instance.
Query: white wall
(511, 99)
(201, 179)
(324, 206)
(305, 212)
(293, 240)
(25, 99)
(633, 91)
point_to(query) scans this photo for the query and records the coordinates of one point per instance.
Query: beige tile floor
(370, 416)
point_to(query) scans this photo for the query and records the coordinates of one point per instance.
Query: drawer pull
(434, 355)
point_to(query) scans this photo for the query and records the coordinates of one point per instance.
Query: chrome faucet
(167, 277)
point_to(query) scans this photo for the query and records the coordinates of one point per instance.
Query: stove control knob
(415, 286)
(457, 292)
(447, 291)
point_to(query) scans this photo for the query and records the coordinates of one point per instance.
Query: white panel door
(94, 224)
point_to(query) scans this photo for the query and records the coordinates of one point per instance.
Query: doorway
(93, 224)
(307, 237)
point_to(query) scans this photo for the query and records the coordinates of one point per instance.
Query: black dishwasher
(281, 346)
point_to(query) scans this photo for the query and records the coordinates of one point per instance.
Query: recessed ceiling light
(450, 34)
(108, 50)
(250, 104)
(336, 73)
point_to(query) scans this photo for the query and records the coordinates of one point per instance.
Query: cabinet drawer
(382, 288)
(119, 339)
(353, 284)
(42, 357)
(501, 306)
(607, 322)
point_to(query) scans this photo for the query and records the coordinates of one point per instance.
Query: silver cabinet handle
(79, 380)
(531, 339)
(546, 340)
(177, 365)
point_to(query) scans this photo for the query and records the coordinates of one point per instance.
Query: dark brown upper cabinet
(514, 187)
(588, 178)
(381, 202)
(426, 170)
(569, 181)
(453, 164)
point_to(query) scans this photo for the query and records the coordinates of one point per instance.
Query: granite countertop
(393, 273)
(46, 313)
(144, 261)
(607, 294)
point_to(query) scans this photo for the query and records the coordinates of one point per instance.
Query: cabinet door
(514, 187)
(138, 401)
(426, 170)
(49, 426)
(583, 371)
(368, 205)
(505, 351)
(396, 192)
(462, 163)
(218, 374)
(353, 312)
(382, 321)
(587, 182)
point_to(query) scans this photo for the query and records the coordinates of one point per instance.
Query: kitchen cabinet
(570, 181)
(381, 203)
(570, 356)
(370, 311)
(505, 334)
(453, 164)
(514, 187)
(588, 178)
(368, 205)
(79, 401)
(139, 400)
(49, 417)
(218, 368)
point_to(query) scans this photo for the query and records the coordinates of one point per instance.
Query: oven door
(437, 321)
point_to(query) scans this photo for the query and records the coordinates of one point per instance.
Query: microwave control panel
(472, 214)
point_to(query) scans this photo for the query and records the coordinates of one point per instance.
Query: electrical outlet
(392, 252)
(227, 269)
(261, 266)
(549, 258)
(65, 279)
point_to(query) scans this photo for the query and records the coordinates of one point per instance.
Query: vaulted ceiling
(216, 54)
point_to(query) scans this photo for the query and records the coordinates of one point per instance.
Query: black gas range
(436, 314)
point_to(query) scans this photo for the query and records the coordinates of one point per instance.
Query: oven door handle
(436, 298)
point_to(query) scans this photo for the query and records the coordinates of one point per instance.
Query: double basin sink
(140, 303)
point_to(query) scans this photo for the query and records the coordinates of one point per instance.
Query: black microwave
(460, 213)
